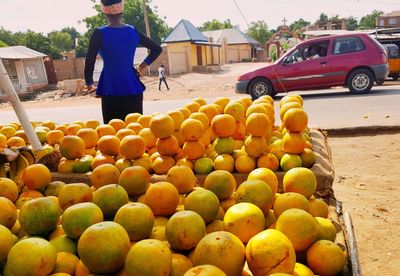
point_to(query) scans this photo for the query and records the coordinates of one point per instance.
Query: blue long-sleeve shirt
(117, 47)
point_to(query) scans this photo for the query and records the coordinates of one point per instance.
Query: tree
(61, 40)
(352, 23)
(38, 42)
(259, 31)
(369, 21)
(73, 33)
(7, 37)
(133, 15)
(298, 25)
(3, 44)
(323, 17)
(215, 24)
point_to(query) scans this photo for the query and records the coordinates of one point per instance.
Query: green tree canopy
(7, 37)
(215, 24)
(352, 23)
(259, 31)
(61, 40)
(298, 24)
(3, 44)
(323, 17)
(369, 21)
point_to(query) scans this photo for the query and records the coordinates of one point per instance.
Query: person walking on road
(119, 87)
(161, 76)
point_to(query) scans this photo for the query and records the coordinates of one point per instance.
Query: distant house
(334, 24)
(389, 20)
(189, 50)
(25, 67)
(236, 45)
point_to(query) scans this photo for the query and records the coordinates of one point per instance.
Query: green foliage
(215, 24)
(352, 23)
(369, 21)
(3, 44)
(81, 48)
(323, 17)
(298, 24)
(7, 37)
(61, 40)
(259, 31)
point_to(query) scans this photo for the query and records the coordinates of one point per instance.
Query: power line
(245, 20)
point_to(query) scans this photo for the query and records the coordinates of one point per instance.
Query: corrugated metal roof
(391, 14)
(185, 31)
(19, 52)
(233, 36)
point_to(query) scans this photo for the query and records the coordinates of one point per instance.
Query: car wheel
(260, 87)
(360, 81)
(380, 82)
(395, 77)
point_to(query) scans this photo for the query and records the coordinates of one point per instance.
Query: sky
(47, 15)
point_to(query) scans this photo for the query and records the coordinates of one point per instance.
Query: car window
(309, 51)
(346, 45)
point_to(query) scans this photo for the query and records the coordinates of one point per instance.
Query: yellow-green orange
(110, 198)
(6, 242)
(203, 202)
(183, 178)
(256, 192)
(325, 258)
(326, 229)
(8, 189)
(180, 264)
(300, 180)
(205, 270)
(222, 183)
(74, 193)
(266, 175)
(290, 200)
(290, 161)
(135, 180)
(318, 207)
(103, 175)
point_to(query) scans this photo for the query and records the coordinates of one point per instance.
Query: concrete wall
(236, 52)
(70, 68)
(162, 59)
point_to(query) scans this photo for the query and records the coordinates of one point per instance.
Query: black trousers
(117, 107)
(162, 80)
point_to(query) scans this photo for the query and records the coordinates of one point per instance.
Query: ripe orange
(109, 145)
(255, 146)
(8, 213)
(74, 193)
(73, 129)
(8, 189)
(89, 137)
(202, 117)
(288, 106)
(110, 198)
(183, 178)
(135, 180)
(186, 112)
(72, 147)
(326, 258)
(101, 159)
(222, 183)
(36, 176)
(177, 117)
(104, 130)
(117, 124)
(295, 120)
(223, 125)
(235, 109)
(245, 163)
(92, 124)
(300, 180)
(54, 137)
(266, 175)
(211, 110)
(162, 164)
(167, 146)
(193, 149)
(258, 124)
(136, 127)
(293, 142)
(193, 106)
(124, 132)
(132, 147)
(132, 118)
(144, 120)
(203, 202)
(268, 160)
(103, 175)
(224, 162)
(221, 102)
(290, 200)
(162, 125)
(257, 192)
(162, 198)
(192, 129)
(16, 142)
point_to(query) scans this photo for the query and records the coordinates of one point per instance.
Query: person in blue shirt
(119, 86)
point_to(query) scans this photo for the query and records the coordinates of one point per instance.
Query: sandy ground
(186, 86)
(367, 182)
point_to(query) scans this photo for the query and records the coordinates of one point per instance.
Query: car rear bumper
(381, 71)
(241, 86)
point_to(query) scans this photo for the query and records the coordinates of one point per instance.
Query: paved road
(334, 108)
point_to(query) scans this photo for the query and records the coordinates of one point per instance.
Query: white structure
(25, 67)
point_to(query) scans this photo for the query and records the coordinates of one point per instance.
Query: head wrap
(112, 6)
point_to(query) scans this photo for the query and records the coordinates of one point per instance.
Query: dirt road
(367, 182)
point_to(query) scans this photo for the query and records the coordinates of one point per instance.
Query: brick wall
(71, 68)
(162, 59)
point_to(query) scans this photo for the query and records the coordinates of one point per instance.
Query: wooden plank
(351, 244)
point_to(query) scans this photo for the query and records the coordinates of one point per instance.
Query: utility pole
(146, 22)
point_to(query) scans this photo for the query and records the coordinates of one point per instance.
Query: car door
(306, 67)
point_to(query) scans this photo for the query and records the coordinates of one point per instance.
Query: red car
(352, 60)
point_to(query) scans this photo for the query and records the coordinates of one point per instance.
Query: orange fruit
(149, 138)
(49, 124)
(77, 218)
(183, 178)
(162, 125)
(256, 192)
(177, 117)
(74, 193)
(211, 110)
(136, 127)
(256, 108)
(288, 201)
(100, 253)
(132, 146)
(214, 248)
(54, 137)
(103, 175)
(235, 109)
(72, 147)
(149, 257)
(81, 269)
(167, 146)
(203, 202)
(318, 207)
(135, 180)
(202, 117)
(270, 251)
(221, 102)
(193, 106)
(244, 220)
(39, 216)
(185, 111)
(3, 141)
(326, 258)
(89, 137)
(258, 124)
(6, 243)
(300, 180)
(109, 145)
(299, 226)
(192, 129)
(245, 164)
(295, 120)
(223, 125)
(240, 131)
(180, 264)
(266, 175)
(162, 198)
(65, 264)
(203, 165)
(63, 128)
(8, 131)
(290, 161)
(326, 229)
(8, 212)
(124, 132)
(222, 183)
(16, 142)
(224, 145)
(255, 146)
(101, 159)
(291, 98)
(144, 162)
(201, 101)
(132, 118)
(144, 120)
(92, 124)
(224, 162)
(288, 106)
(193, 149)
(73, 129)
(32, 256)
(8, 189)
(117, 124)
(104, 130)
(110, 198)
(307, 158)
(141, 226)
(269, 161)
(36, 176)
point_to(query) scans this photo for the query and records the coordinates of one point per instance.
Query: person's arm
(94, 47)
(155, 50)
